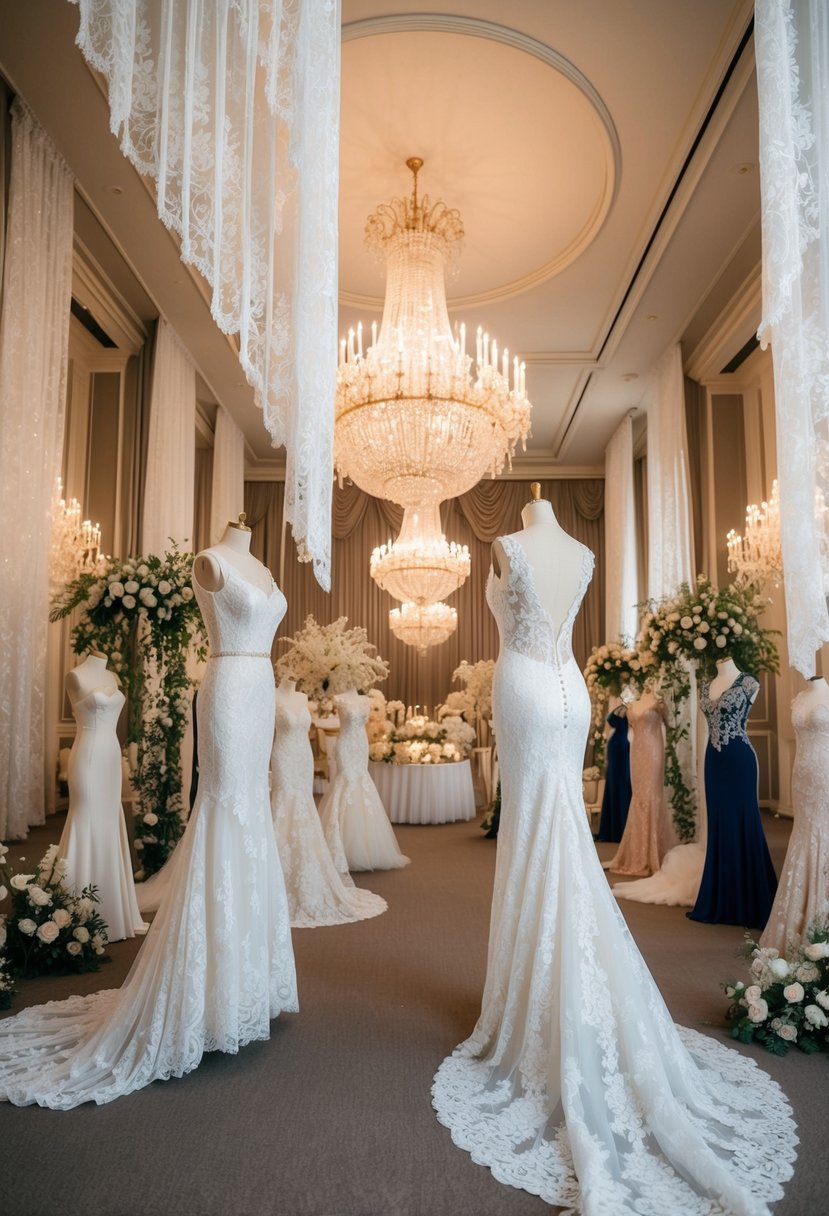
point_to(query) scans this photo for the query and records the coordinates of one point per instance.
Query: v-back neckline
(529, 578)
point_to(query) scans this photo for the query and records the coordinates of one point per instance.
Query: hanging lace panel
(232, 108)
(792, 49)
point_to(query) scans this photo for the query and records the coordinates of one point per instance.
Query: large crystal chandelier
(414, 422)
(75, 544)
(756, 555)
(423, 625)
(421, 566)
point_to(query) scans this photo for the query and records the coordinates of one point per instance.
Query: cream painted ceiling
(602, 154)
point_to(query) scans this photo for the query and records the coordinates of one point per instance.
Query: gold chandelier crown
(397, 221)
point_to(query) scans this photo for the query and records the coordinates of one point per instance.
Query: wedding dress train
(575, 1084)
(217, 963)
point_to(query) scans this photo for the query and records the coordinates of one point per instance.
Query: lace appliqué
(727, 716)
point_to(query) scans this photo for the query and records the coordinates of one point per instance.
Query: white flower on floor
(752, 994)
(758, 1011)
(74, 947)
(19, 882)
(787, 1032)
(807, 973)
(779, 968)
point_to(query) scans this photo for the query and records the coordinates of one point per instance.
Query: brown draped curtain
(360, 522)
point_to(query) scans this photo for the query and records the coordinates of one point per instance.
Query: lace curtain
(360, 522)
(228, 495)
(792, 49)
(171, 447)
(670, 544)
(34, 337)
(232, 108)
(621, 573)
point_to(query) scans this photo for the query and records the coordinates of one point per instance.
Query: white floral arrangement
(421, 740)
(787, 1002)
(591, 774)
(49, 928)
(613, 669)
(326, 660)
(7, 988)
(476, 679)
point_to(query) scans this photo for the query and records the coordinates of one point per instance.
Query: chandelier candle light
(421, 566)
(423, 625)
(75, 544)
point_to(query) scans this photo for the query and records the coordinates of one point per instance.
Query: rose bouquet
(787, 1001)
(611, 669)
(329, 659)
(51, 929)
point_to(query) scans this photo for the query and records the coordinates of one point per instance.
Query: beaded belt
(240, 654)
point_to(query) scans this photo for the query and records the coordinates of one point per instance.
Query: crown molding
(727, 334)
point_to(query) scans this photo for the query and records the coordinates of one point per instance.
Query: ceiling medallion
(423, 625)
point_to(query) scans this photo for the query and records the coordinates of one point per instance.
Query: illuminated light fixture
(423, 625)
(414, 423)
(756, 555)
(75, 544)
(421, 566)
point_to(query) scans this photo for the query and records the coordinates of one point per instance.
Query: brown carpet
(332, 1116)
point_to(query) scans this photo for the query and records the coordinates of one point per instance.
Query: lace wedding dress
(317, 893)
(217, 963)
(575, 1084)
(803, 893)
(354, 820)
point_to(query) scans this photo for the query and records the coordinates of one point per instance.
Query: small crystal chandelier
(414, 424)
(756, 556)
(423, 625)
(74, 545)
(421, 566)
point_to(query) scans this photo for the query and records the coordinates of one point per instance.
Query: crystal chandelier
(423, 625)
(414, 423)
(756, 556)
(74, 544)
(421, 566)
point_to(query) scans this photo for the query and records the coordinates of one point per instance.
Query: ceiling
(603, 157)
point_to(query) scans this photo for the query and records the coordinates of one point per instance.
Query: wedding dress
(94, 840)
(575, 1084)
(803, 893)
(317, 893)
(646, 835)
(354, 820)
(217, 963)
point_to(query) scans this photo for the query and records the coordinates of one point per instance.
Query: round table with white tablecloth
(425, 793)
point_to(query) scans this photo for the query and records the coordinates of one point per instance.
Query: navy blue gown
(617, 792)
(738, 880)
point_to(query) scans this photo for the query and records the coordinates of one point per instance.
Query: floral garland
(141, 612)
(788, 1001)
(50, 929)
(420, 740)
(326, 660)
(611, 669)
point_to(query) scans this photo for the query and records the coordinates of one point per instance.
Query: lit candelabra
(75, 543)
(423, 625)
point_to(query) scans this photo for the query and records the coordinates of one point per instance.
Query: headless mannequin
(816, 691)
(555, 556)
(234, 548)
(286, 691)
(727, 672)
(91, 675)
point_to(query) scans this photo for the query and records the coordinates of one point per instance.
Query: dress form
(727, 672)
(91, 675)
(234, 547)
(556, 557)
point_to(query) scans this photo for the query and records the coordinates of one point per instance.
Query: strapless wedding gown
(575, 1084)
(217, 963)
(94, 840)
(317, 893)
(354, 820)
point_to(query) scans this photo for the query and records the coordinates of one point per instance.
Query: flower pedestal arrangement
(327, 660)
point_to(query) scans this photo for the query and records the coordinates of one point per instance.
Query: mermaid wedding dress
(317, 893)
(217, 963)
(575, 1084)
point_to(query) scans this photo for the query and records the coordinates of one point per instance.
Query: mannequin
(234, 547)
(617, 791)
(727, 673)
(556, 557)
(647, 830)
(91, 675)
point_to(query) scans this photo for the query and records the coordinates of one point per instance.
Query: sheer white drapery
(621, 574)
(670, 542)
(233, 109)
(228, 493)
(34, 338)
(792, 49)
(171, 447)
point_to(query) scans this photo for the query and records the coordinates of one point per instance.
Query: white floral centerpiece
(49, 928)
(787, 1001)
(613, 669)
(476, 679)
(326, 660)
(421, 740)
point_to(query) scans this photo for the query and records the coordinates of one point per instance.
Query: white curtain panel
(228, 492)
(171, 447)
(792, 50)
(670, 541)
(622, 578)
(232, 107)
(34, 338)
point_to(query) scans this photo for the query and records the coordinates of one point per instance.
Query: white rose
(27, 926)
(807, 973)
(84, 909)
(700, 643)
(704, 627)
(752, 994)
(142, 571)
(4, 890)
(787, 1032)
(150, 600)
(816, 1016)
(61, 917)
(816, 950)
(37, 896)
(139, 843)
(150, 818)
(794, 993)
(779, 968)
(187, 593)
(131, 587)
(822, 999)
(81, 934)
(116, 590)
(48, 931)
(128, 601)
(97, 943)
(758, 1012)
(686, 622)
(721, 641)
(164, 587)
(74, 947)
(738, 629)
(20, 882)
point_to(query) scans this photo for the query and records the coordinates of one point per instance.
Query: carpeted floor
(332, 1116)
